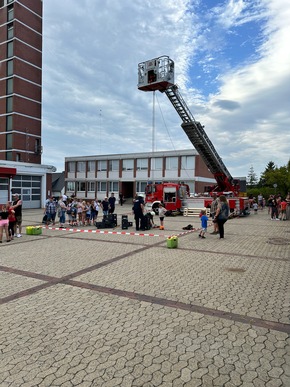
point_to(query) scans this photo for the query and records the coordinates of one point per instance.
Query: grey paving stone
(132, 312)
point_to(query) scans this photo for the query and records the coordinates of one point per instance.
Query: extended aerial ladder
(158, 74)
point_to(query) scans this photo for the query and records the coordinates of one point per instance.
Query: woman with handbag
(222, 214)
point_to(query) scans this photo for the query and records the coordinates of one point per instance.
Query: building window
(81, 186)
(114, 186)
(9, 123)
(128, 165)
(172, 163)
(70, 186)
(140, 186)
(28, 186)
(9, 68)
(9, 49)
(4, 184)
(81, 166)
(114, 165)
(91, 186)
(10, 13)
(9, 104)
(102, 186)
(10, 31)
(187, 162)
(71, 166)
(91, 166)
(37, 147)
(18, 157)
(102, 165)
(9, 156)
(157, 164)
(142, 164)
(9, 141)
(9, 86)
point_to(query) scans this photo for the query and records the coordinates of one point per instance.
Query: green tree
(270, 166)
(252, 179)
(271, 175)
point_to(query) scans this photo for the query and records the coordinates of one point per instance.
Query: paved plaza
(88, 307)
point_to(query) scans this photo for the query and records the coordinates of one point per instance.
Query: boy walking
(203, 220)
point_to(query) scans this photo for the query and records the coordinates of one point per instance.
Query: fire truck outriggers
(158, 74)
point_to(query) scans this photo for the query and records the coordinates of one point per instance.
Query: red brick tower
(20, 80)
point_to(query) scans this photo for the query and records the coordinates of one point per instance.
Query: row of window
(171, 163)
(9, 73)
(92, 186)
(100, 186)
(10, 53)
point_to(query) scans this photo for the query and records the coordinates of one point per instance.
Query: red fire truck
(173, 195)
(158, 74)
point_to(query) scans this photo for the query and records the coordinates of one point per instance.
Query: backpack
(68, 211)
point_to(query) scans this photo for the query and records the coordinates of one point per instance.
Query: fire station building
(97, 176)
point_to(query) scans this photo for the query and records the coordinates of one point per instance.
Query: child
(283, 206)
(4, 223)
(255, 207)
(74, 215)
(11, 221)
(203, 220)
(161, 214)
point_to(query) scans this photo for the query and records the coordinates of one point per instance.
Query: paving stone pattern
(100, 308)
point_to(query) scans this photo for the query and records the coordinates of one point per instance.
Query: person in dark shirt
(138, 209)
(112, 201)
(17, 207)
(105, 206)
(121, 198)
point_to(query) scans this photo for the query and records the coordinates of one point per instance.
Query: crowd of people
(278, 209)
(278, 206)
(75, 211)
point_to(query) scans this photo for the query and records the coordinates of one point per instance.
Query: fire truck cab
(172, 195)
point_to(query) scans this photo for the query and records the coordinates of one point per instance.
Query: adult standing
(213, 208)
(121, 198)
(112, 201)
(260, 201)
(105, 206)
(222, 214)
(274, 209)
(288, 206)
(61, 211)
(138, 208)
(50, 211)
(17, 207)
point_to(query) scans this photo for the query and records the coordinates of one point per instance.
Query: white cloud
(91, 103)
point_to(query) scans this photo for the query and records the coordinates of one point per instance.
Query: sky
(232, 67)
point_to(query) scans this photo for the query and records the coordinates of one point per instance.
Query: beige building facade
(92, 177)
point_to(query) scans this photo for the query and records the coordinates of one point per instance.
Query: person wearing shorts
(4, 223)
(50, 211)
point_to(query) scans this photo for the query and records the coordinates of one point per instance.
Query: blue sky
(232, 67)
